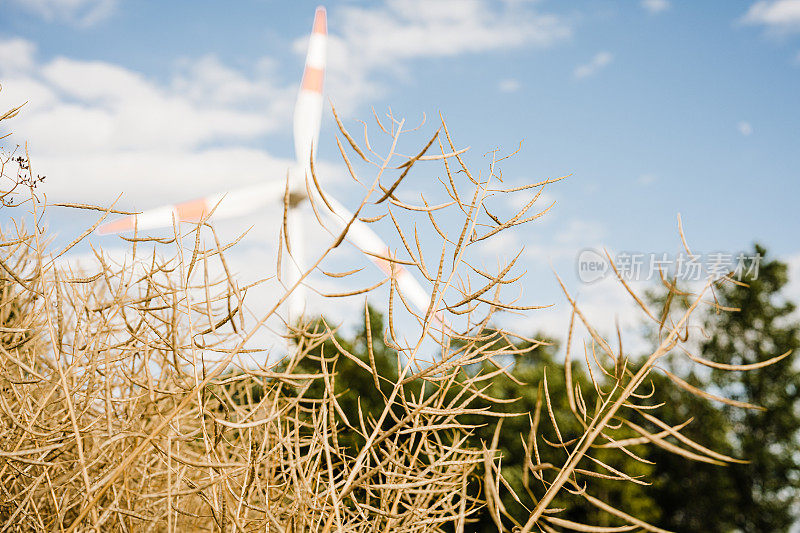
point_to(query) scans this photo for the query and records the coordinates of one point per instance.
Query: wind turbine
(243, 201)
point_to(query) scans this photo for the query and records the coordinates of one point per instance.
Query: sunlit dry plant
(127, 404)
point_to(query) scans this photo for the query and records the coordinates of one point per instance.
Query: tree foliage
(765, 490)
(757, 494)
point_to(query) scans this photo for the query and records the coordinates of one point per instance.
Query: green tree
(527, 371)
(691, 495)
(766, 488)
(352, 384)
(762, 494)
(685, 495)
(355, 389)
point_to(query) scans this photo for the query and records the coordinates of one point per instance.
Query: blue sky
(654, 107)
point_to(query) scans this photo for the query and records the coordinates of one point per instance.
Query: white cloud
(518, 200)
(382, 40)
(419, 28)
(509, 85)
(605, 303)
(80, 12)
(655, 6)
(563, 242)
(745, 128)
(781, 16)
(16, 55)
(580, 233)
(94, 126)
(598, 62)
(647, 179)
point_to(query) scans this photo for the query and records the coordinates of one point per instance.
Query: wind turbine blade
(234, 203)
(308, 109)
(365, 239)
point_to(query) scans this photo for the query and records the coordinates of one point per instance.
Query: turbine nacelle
(298, 190)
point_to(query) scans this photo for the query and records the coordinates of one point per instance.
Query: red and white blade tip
(320, 22)
(314, 74)
(191, 211)
(117, 226)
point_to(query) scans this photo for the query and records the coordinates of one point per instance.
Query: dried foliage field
(124, 406)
